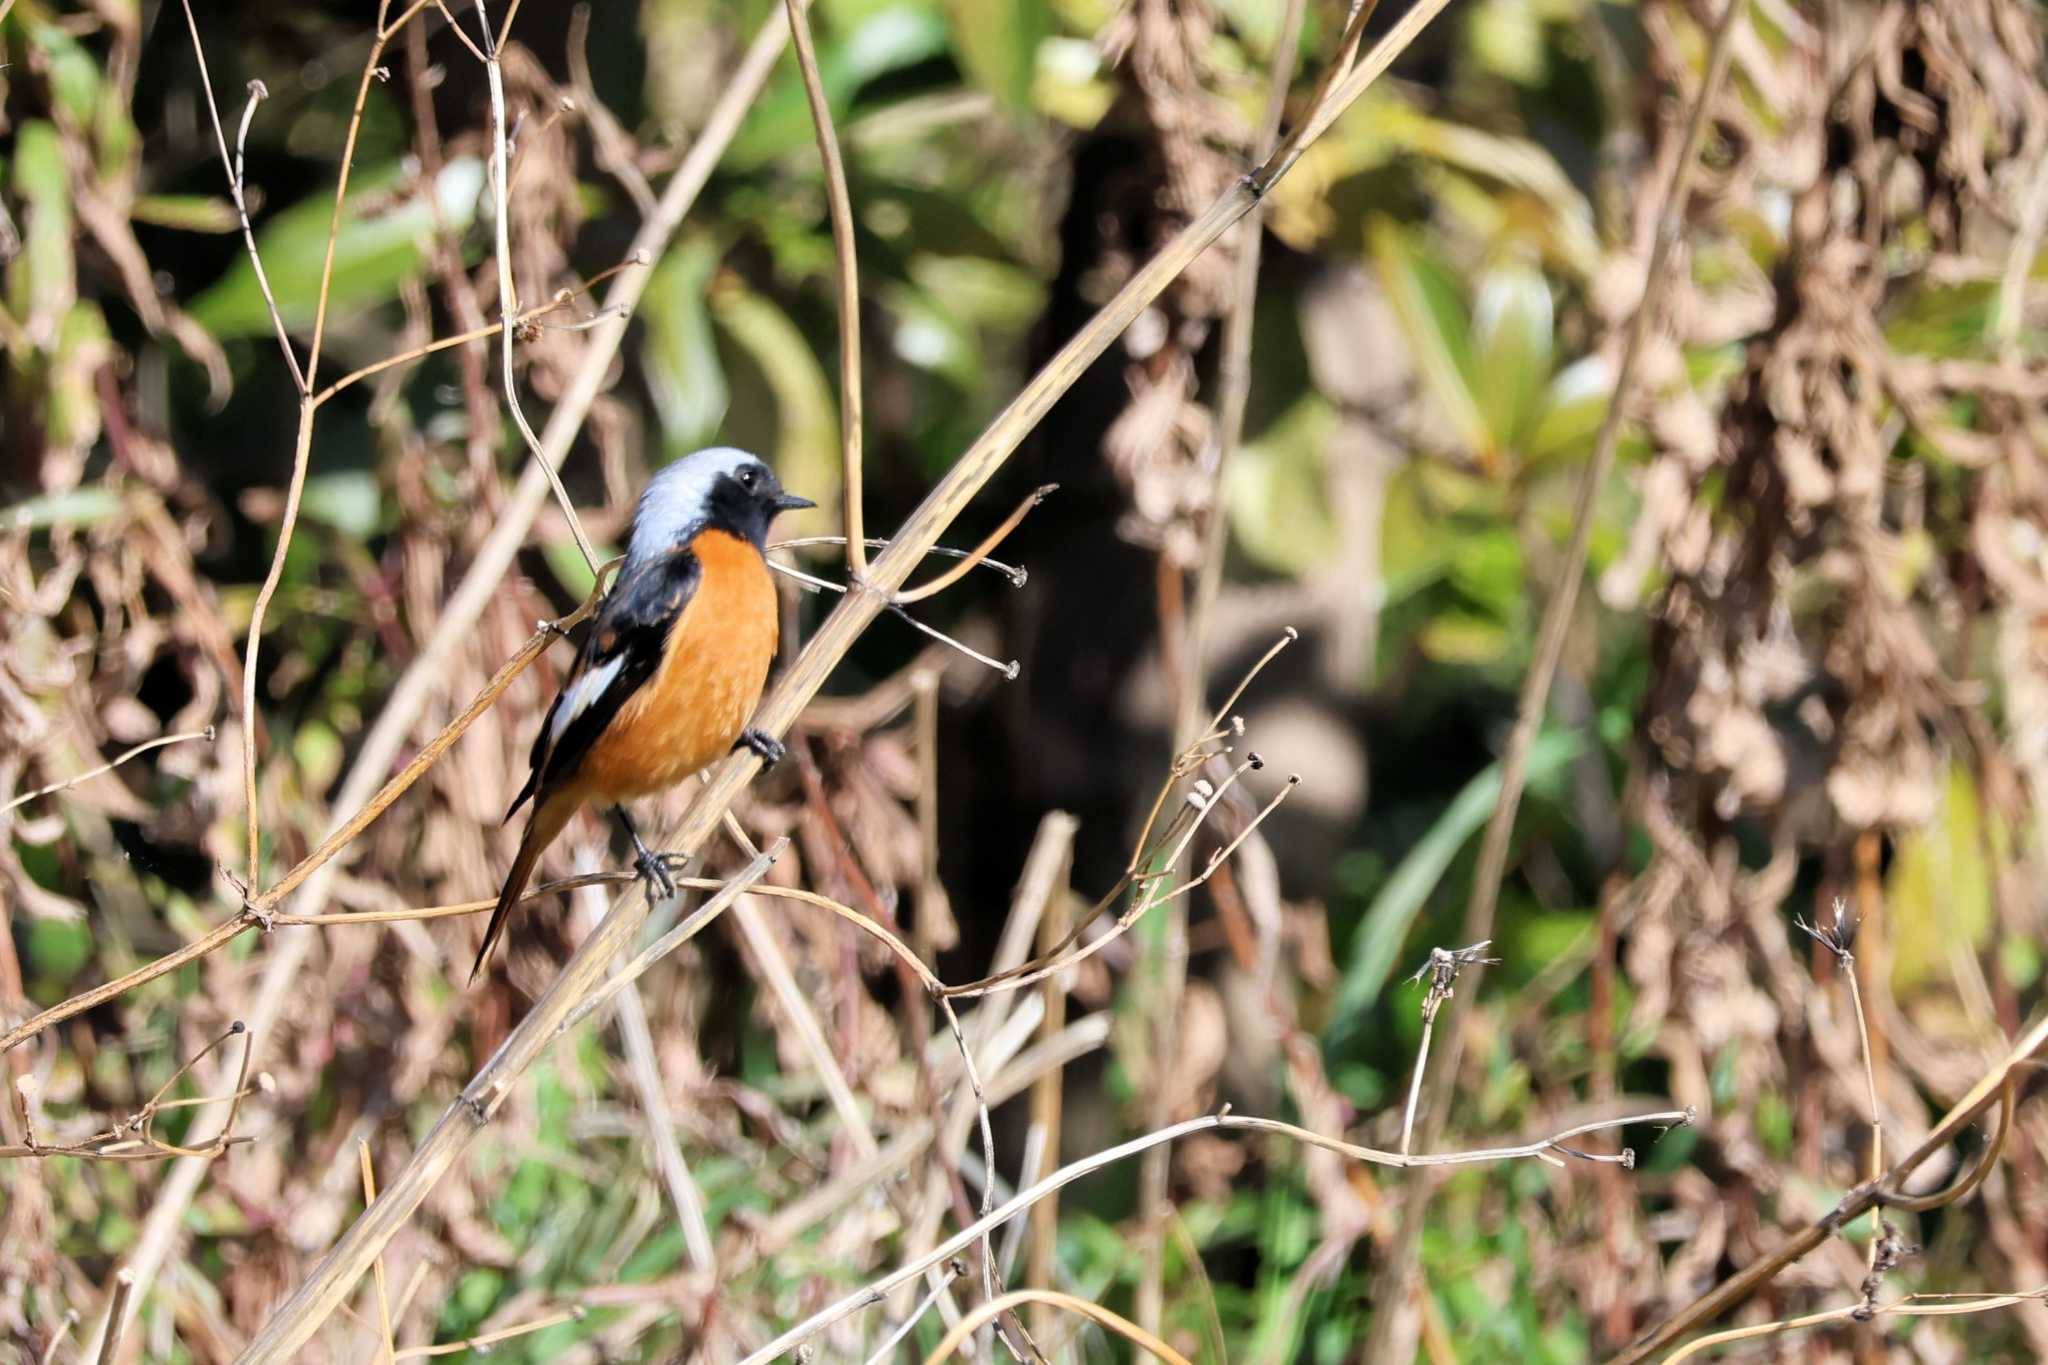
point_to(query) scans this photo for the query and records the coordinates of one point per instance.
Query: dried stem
(954, 1270)
(508, 291)
(1234, 369)
(1557, 1143)
(117, 1316)
(630, 1013)
(233, 167)
(1912, 1306)
(258, 911)
(90, 774)
(980, 552)
(988, 1312)
(1533, 702)
(840, 204)
(303, 447)
(377, 1267)
(484, 1341)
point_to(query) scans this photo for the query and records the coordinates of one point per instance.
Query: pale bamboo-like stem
(296, 1320)
(873, 1293)
(117, 1317)
(91, 773)
(950, 1344)
(1533, 703)
(636, 1036)
(840, 206)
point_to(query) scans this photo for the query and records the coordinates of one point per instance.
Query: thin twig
(1912, 1306)
(1557, 1143)
(840, 204)
(377, 1266)
(508, 292)
(302, 452)
(1102, 1317)
(484, 1341)
(1392, 1289)
(954, 1270)
(87, 776)
(257, 93)
(980, 552)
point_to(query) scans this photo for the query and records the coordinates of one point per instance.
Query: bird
(673, 665)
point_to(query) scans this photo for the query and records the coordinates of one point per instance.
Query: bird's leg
(766, 746)
(652, 869)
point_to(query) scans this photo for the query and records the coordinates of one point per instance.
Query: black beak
(790, 502)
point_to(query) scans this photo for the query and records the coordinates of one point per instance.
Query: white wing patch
(582, 693)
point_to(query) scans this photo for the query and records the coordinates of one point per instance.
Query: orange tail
(549, 816)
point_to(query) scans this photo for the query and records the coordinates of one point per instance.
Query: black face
(746, 500)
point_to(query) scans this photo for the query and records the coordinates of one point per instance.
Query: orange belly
(689, 713)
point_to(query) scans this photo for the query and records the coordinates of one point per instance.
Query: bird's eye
(748, 478)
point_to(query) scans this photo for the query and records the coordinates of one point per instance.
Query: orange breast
(689, 713)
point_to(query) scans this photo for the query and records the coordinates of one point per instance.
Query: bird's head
(721, 488)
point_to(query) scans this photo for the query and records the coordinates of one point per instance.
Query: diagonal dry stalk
(1999, 1085)
(1393, 1288)
(300, 1316)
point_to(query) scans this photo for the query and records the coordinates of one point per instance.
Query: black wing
(621, 652)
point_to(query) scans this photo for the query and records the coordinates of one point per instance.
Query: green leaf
(1511, 340)
(373, 254)
(996, 43)
(806, 412)
(684, 377)
(1432, 317)
(1574, 404)
(1279, 505)
(346, 499)
(780, 121)
(43, 279)
(1393, 912)
(1938, 887)
(82, 506)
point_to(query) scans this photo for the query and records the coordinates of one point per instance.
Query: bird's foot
(653, 870)
(765, 746)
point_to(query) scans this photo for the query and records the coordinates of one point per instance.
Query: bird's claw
(653, 870)
(765, 746)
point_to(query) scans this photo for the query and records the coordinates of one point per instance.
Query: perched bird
(673, 664)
